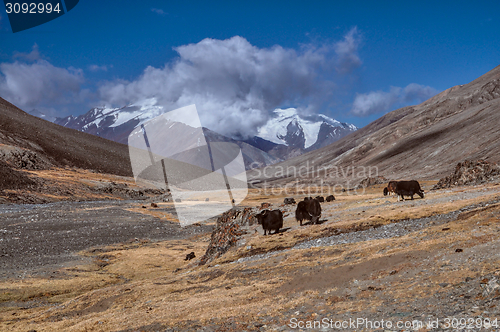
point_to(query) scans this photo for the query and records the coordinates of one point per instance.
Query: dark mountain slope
(55, 145)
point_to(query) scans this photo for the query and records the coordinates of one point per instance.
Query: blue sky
(352, 60)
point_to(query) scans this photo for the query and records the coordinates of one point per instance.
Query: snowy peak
(287, 134)
(294, 134)
(100, 119)
(290, 128)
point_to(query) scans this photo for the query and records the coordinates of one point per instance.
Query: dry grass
(137, 284)
(61, 184)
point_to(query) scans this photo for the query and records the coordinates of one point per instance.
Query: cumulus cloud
(31, 56)
(347, 52)
(236, 85)
(379, 101)
(39, 84)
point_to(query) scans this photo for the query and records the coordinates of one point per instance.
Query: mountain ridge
(421, 141)
(285, 135)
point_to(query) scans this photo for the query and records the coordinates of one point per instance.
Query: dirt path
(36, 238)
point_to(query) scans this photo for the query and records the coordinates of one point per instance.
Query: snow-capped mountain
(289, 128)
(117, 123)
(294, 134)
(287, 134)
(113, 123)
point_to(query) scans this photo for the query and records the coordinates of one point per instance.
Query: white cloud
(236, 85)
(379, 101)
(158, 11)
(39, 84)
(32, 56)
(96, 68)
(347, 52)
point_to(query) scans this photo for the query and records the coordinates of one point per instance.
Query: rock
(469, 173)
(367, 182)
(227, 232)
(154, 205)
(490, 286)
(190, 256)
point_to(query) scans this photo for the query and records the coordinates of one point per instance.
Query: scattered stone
(154, 205)
(469, 173)
(371, 181)
(490, 286)
(459, 250)
(190, 256)
(227, 232)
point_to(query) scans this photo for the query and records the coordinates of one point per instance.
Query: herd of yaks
(310, 208)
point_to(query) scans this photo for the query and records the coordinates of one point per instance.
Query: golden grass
(60, 184)
(137, 284)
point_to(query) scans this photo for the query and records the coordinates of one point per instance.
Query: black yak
(308, 209)
(270, 220)
(408, 188)
(330, 198)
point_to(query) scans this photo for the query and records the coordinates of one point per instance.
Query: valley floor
(371, 259)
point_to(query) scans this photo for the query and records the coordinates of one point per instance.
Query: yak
(408, 188)
(320, 199)
(330, 198)
(391, 188)
(270, 220)
(308, 209)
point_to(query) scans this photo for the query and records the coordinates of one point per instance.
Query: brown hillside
(422, 142)
(32, 143)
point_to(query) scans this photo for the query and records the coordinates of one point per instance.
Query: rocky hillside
(28, 142)
(422, 141)
(34, 154)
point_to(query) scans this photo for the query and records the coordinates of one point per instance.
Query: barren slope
(423, 141)
(43, 144)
